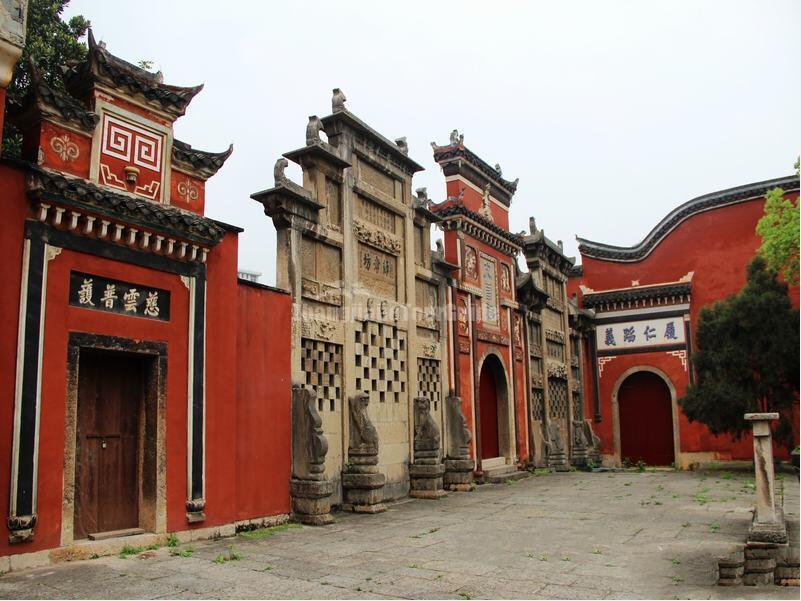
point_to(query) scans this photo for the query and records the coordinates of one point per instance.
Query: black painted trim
(643, 349)
(689, 340)
(196, 419)
(596, 398)
(641, 317)
(30, 375)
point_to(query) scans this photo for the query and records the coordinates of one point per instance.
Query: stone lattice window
(537, 404)
(322, 370)
(557, 391)
(381, 361)
(429, 382)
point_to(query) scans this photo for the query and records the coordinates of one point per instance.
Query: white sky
(610, 113)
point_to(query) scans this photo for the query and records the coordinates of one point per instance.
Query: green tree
(779, 229)
(52, 43)
(747, 357)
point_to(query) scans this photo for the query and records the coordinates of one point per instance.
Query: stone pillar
(768, 523)
(362, 483)
(458, 464)
(579, 450)
(426, 473)
(309, 488)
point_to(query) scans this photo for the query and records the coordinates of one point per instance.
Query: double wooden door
(107, 479)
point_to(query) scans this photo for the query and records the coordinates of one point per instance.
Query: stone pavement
(575, 535)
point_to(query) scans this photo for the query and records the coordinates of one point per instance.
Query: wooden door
(646, 420)
(488, 408)
(110, 399)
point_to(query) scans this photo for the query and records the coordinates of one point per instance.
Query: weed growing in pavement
(565, 558)
(543, 557)
(264, 532)
(188, 552)
(675, 561)
(128, 550)
(172, 540)
(714, 527)
(676, 580)
(597, 551)
(465, 595)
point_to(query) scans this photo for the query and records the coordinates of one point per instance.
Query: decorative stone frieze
(555, 336)
(426, 472)
(492, 337)
(458, 464)
(375, 237)
(362, 483)
(309, 489)
(556, 370)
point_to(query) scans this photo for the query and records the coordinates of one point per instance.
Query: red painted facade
(706, 247)
(475, 218)
(130, 211)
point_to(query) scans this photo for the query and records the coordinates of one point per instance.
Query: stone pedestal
(459, 466)
(427, 471)
(362, 483)
(310, 491)
(311, 501)
(768, 523)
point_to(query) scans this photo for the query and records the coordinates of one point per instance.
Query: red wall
(716, 246)
(247, 418)
(264, 445)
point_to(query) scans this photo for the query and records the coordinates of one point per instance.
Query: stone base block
(785, 574)
(363, 493)
(458, 475)
(759, 566)
(426, 481)
(768, 532)
(558, 462)
(375, 508)
(758, 579)
(311, 501)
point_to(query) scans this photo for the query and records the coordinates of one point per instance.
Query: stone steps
(500, 474)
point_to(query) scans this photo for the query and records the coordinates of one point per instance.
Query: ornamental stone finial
(532, 225)
(278, 171)
(422, 193)
(456, 137)
(498, 169)
(313, 130)
(401, 143)
(338, 101)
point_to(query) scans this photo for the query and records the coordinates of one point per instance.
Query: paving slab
(622, 535)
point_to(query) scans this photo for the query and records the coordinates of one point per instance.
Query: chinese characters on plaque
(113, 296)
(662, 331)
(489, 288)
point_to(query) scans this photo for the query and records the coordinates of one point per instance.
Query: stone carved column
(362, 483)
(426, 473)
(579, 444)
(768, 523)
(593, 443)
(555, 448)
(458, 464)
(309, 488)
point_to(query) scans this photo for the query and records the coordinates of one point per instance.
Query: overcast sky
(610, 113)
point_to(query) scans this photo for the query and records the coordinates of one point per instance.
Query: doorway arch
(493, 409)
(644, 410)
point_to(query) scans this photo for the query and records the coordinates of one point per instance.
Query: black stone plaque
(113, 296)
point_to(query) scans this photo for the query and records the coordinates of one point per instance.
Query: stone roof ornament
(401, 143)
(278, 171)
(498, 169)
(338, 101)
(422, 193)
(457, 139)
(532, 225)
(313, 130)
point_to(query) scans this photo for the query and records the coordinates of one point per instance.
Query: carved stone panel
(375, 214)
(489, 287)
(321, 266)
(378, 271)
(427, 306)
